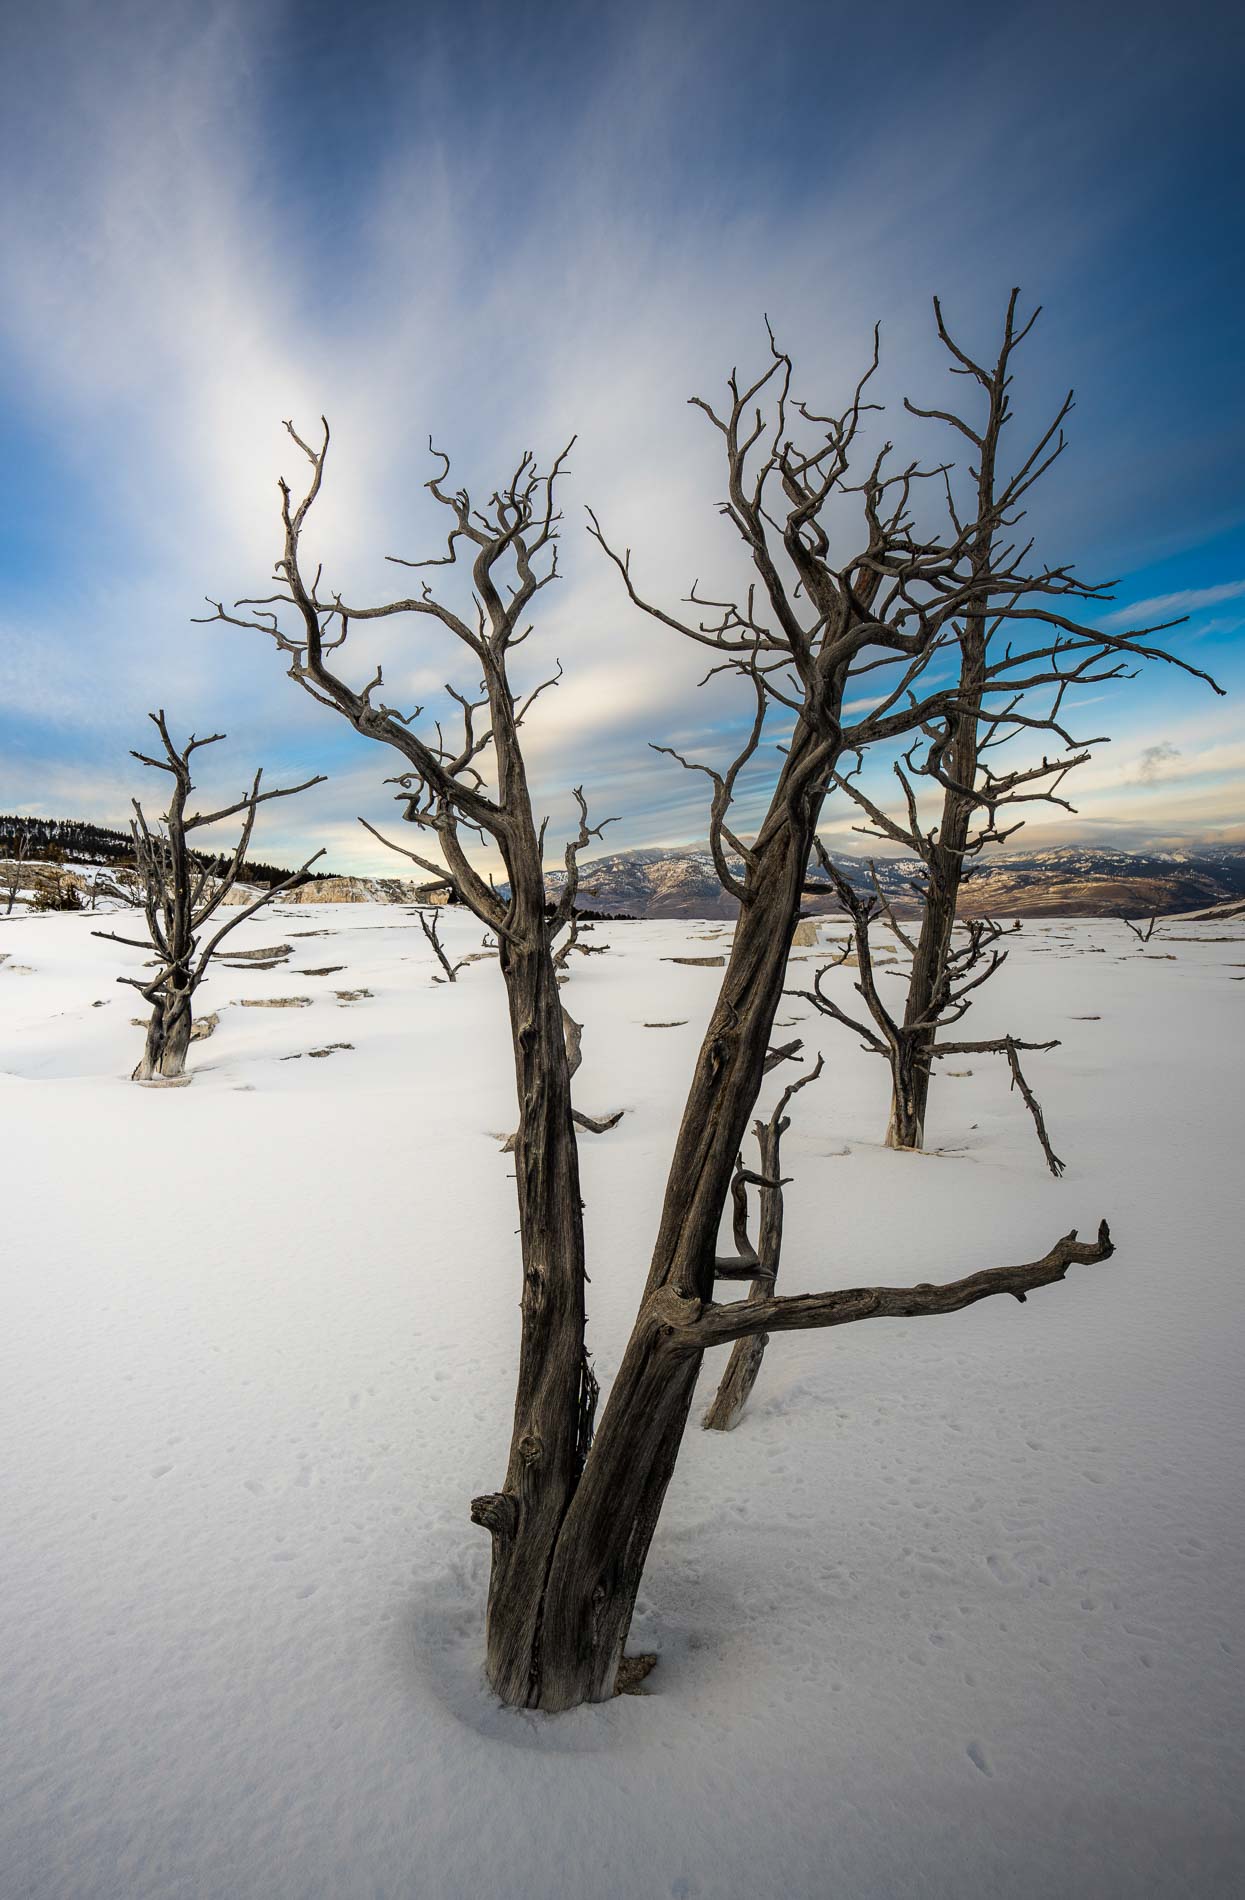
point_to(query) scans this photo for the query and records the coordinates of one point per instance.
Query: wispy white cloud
(174, 295)
(1188, 600)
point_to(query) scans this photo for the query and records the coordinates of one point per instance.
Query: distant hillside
(1074, 882)
(78, 841)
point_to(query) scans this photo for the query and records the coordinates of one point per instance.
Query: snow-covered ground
(956, 1611)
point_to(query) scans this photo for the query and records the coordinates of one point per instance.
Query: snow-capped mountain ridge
(1073, 881)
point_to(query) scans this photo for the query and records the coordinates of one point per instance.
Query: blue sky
(504, 224)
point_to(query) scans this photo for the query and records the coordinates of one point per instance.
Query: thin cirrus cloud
(1188, 600)
(418, 240)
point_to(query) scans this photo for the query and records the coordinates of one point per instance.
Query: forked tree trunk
(599, 1554)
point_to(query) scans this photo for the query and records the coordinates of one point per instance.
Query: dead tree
(573, 941)
(572, 1522)
(181, 890)
(13, 870)
(1143, 936)
(910, 1047)
(759, 1263)
(1005, 599)
(430, 924)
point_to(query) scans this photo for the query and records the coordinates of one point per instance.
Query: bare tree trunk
(910, 1079)
(945, 853)
(601, 1554)
(746, 1354)
(168, 1037)
(148, 1065)
(177, 1030)
(555, 1393)
(913, 1059)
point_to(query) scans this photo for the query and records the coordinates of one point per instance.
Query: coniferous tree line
(78, 840)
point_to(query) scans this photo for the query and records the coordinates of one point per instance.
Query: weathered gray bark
(745, 1361)
(944, 868)
(555, 1391)
(167, 1038)
(600, 1556)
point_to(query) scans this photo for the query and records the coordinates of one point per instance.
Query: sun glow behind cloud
(406, 234)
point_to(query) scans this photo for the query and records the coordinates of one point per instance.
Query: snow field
(956, 1611)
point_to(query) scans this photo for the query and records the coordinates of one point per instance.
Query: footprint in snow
(977, 1755)
(1001, 1570)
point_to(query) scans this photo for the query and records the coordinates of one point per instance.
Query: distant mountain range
(1075, 882)
(1079, 881)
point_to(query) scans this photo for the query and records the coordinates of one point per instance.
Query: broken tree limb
(1008, 1046)
(716, 1325)
(784, 1052)
(744, 1364)
(430, 924)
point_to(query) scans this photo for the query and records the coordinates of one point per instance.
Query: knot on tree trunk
(672, 1316)
(498, 1513)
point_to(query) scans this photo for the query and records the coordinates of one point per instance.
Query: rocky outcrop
(353, 890)
(341, 890)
